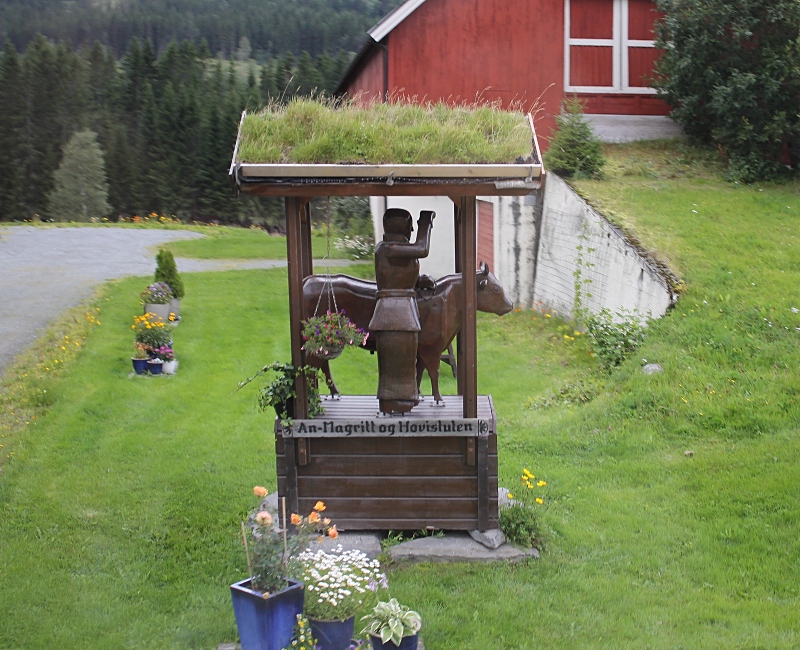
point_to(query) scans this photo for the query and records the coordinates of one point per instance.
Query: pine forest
(158, 100)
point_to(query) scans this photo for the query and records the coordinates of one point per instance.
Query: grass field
(671, 509)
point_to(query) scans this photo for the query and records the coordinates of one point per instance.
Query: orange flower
(333, 533)
(319, 507)
(295, 518)
(314, 518)
(326, 522)
(259, 491)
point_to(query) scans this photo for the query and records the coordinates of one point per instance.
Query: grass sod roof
(318, 132)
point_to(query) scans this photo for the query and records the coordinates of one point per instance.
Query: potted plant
(266, 604)
(327, 335)
(155, 299)
(392, 626)
(151, 332)
(139, 358)
(167, 272)
(280, 393)
(167, 355)
(338, 585)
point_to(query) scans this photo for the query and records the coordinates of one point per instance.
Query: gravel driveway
(44, 271)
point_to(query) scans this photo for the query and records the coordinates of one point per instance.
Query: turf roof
(310, 131)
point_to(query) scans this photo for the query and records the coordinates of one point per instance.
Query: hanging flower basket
(326, 336)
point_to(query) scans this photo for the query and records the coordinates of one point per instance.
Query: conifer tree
(81, 190)
(12, 142)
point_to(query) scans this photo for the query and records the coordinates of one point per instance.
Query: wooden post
(469, 365)
(459, 268)
(295, 254)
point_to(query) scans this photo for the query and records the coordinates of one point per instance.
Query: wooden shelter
(427, 469)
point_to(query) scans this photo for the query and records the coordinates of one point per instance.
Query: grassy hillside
(671, 506)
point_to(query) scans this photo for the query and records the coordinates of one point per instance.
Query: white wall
(441, 260)
(620, 276)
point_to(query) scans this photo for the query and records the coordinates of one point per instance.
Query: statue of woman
(395, 322)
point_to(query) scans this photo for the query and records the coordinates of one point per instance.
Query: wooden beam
(270, 187)
(469, 365)
(295, 213)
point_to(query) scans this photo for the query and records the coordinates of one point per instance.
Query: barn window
(609, 46)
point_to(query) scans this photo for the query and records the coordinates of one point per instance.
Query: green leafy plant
(157, 293)
(280, 392)
(151, 331)
(167, 272)
(575, 150)
(269, 551)
(391, 621)
(338, 584)
(615, 337)
(519, 521)
(140, 351)
(326, 335)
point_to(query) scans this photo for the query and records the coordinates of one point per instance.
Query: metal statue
(395, 323)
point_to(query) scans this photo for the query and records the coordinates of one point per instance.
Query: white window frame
(619, 44)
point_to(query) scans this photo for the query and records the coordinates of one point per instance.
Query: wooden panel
(591, 19)
(486, 233)
(641, 61)
(591, 66)
(642, 15)
(379, 487)
(417, 467)
(414, 524)
(375, 446)
(393, 507)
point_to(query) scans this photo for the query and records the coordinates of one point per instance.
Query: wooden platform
(430, 468)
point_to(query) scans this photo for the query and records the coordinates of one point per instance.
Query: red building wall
(369, 82)
(463, 50)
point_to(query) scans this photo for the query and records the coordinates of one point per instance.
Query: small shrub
(575, 150)
(615, 338)
(520, 525)
(167, 272)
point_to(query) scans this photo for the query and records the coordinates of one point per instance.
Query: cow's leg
(430, 361)
(420, 371)
(325, 366)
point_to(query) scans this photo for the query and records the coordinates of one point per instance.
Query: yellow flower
(526, 472)
(541, 483)
(510, 496)
(319, 506)
(539, 500)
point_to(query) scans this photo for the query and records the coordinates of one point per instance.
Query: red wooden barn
(462, 50)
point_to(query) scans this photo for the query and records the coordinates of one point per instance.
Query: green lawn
(244, 243)
(671, 508)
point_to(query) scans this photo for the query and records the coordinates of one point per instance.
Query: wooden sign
(386, 427)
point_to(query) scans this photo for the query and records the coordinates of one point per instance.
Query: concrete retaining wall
(613, 273)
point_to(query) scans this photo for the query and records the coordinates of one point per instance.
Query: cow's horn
(484, 268)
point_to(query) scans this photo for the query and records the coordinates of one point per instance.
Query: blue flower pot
(406, 643)
(333, 635)
(139, 366)
(155, 366)
(266, 623)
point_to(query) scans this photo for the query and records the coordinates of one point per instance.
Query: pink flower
(263, 518)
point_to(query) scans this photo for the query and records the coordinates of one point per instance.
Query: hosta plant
(391, 621)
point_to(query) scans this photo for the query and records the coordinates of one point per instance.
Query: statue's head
(397, 221)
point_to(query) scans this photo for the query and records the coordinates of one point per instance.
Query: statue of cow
(439, 314)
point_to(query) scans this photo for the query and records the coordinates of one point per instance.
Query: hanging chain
(328, 286)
